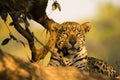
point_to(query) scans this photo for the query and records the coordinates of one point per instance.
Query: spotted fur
(70, 50)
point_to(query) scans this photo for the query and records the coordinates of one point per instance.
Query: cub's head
(71, 37)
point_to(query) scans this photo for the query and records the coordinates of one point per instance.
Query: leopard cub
(71, 50)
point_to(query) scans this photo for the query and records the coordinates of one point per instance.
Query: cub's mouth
(72, 50)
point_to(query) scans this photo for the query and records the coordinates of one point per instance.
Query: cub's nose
(72, 41)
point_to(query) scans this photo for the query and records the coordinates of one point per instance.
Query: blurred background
(103, 40)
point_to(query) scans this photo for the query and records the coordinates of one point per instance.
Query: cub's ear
(86, 26)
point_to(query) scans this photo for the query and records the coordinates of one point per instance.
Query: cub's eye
(65, 35)
(78, 35)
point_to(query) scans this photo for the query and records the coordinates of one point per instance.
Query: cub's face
(71, 37)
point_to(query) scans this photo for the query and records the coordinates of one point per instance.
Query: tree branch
(26, 34)
(36, 8)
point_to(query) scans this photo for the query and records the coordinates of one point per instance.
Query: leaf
(56, 5)
(46, 60)
(11, 24)
(5, 41)
(59, 7)
(53, 7)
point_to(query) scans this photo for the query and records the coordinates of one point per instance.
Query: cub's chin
(72, 51)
